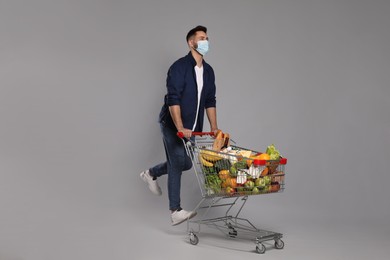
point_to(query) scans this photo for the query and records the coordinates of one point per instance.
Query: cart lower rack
(226, 179)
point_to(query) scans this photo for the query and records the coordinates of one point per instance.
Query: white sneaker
(181, 216)
(152, 184)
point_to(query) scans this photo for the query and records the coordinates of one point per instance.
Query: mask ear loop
(194, 45)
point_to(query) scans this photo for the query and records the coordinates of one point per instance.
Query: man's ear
(191, 43)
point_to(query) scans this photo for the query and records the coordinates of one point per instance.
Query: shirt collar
(193, 61)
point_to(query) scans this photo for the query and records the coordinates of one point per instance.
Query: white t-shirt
(199, 82)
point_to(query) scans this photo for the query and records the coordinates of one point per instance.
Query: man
(190, 92)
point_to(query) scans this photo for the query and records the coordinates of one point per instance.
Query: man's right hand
(186, 132)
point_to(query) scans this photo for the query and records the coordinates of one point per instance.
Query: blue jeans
(177, 162)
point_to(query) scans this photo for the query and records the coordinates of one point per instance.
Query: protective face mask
(203, 47)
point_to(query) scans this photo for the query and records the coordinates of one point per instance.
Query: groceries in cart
(227, 174)
(235, 171)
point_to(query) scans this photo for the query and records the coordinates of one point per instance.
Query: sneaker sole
(142, 175)
(183, 220)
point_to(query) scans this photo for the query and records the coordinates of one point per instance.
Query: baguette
(222, 140)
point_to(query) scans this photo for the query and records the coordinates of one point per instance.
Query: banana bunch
(210, 155)
(205, 162)
(208, 158)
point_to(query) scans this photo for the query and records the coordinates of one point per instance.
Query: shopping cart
(226, 179)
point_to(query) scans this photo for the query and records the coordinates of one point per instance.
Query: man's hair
(193, 31)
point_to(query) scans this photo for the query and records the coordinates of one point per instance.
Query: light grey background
(81, 85)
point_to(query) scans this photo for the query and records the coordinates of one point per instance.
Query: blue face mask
(203, 47)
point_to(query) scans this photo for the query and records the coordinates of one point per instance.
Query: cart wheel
(233, 233)
(260, 248)
(279, 244)
(194, 240)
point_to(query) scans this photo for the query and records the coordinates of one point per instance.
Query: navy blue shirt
(182, 90)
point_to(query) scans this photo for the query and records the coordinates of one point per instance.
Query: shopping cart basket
(226, 179)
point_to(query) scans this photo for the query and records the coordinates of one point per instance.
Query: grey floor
(136, 225)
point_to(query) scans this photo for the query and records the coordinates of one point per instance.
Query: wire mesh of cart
(226, 179)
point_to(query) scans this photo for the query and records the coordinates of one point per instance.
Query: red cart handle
(181, 134)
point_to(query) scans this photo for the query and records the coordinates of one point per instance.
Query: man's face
(199, 36)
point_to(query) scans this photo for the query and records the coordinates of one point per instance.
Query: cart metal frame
(230, 224)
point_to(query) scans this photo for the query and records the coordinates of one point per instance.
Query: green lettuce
(273, 152)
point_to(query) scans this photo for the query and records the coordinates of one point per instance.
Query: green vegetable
(241, 165)
(223, 164)
(209, 170)
(213, 182)
(272, 152)
(267, 180)
(233, 171)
